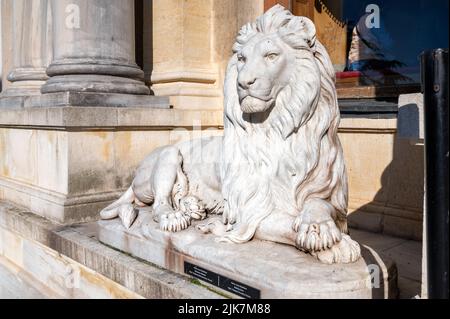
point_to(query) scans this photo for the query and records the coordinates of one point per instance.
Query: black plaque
(222, 282)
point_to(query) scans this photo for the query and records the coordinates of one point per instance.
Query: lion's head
(266, 58)
(281, 117)
(265, 66)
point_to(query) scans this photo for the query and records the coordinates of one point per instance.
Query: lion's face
(265, 65)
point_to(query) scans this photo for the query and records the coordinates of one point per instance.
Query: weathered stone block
(67, 163)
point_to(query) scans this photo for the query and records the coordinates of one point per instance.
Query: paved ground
(406, 253)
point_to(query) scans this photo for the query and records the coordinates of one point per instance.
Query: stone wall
(385, 178)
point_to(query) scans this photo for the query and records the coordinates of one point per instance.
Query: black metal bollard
(435, 82)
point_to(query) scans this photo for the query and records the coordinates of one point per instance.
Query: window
(377, 42)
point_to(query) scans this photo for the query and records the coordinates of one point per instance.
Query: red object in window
(348, 74)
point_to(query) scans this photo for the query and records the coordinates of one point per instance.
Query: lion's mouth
(252, 104)
(262, 95)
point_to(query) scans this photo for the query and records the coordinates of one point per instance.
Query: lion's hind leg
(167, 193)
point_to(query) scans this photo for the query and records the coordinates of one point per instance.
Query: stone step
(72, 262)
(14, 286)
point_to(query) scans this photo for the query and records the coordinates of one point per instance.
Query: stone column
(29, 44)
(1, 34)
(5, 38)
(93, 48)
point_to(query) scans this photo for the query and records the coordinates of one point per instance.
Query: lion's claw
(316, 236)
(174, 222)
(346, 251)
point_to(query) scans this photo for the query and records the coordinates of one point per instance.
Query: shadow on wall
(397, 207)
(144, 38)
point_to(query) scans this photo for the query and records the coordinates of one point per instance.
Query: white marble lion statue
(278, 173)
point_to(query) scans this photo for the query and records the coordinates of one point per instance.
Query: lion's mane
(274, 162)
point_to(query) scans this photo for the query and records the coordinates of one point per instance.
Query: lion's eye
(271, 56)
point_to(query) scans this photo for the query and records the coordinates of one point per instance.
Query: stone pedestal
(30, 43)
(94, 48)
(254, 269)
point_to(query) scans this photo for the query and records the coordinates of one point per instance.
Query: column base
(22, 89)
(189, 88)
(24, 82)
(191, 96)
(17, 93)
(95, 83)
(74, 99)
(97, 99)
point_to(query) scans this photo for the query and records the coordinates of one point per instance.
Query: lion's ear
(300, 32)
(310, 31)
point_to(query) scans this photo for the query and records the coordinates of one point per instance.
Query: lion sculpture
(278, 173)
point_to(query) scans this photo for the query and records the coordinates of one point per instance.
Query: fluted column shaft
(94, 48)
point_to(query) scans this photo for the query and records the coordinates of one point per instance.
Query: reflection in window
(382, 39)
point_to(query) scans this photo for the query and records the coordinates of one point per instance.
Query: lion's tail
(113, 210)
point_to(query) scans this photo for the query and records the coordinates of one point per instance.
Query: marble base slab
(272, 270)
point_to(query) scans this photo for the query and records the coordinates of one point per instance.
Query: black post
(434, 69)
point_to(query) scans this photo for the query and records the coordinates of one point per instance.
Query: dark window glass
(385, 38)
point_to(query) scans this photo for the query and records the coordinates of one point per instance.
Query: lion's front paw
(174, 222)
(315, 234)
(346, 251)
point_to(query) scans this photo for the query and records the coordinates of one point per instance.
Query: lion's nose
(246, 82)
